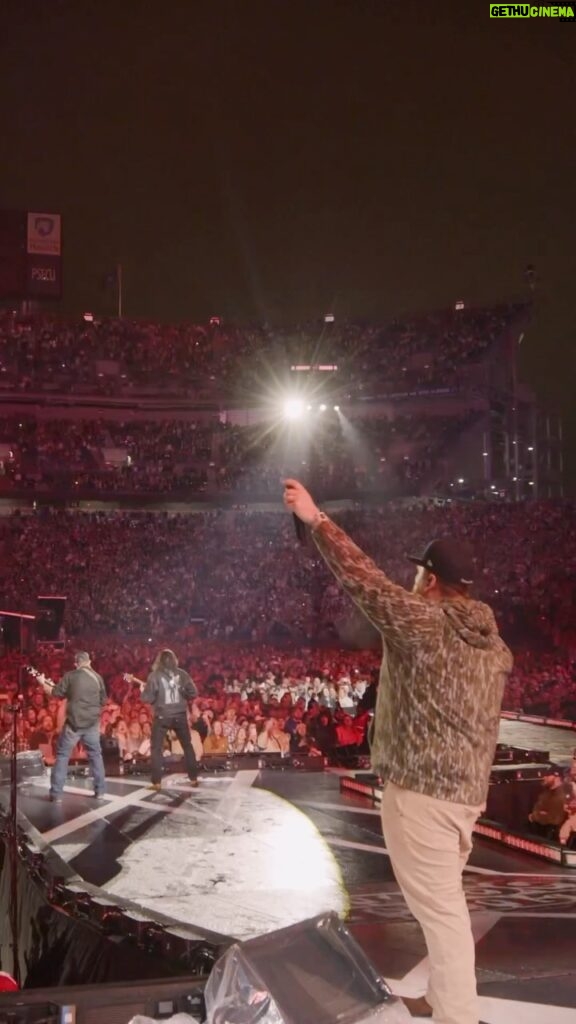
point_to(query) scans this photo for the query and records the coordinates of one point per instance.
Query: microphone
(300, 529)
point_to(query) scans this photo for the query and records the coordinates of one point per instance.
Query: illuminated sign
(563, 13)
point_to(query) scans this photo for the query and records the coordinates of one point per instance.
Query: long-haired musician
(167, 690)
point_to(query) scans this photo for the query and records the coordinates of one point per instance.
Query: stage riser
(240, 763)
(69, 936)
(512, 801)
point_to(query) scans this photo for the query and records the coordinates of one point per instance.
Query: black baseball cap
(451, 560)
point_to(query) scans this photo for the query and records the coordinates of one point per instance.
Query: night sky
(275, 160)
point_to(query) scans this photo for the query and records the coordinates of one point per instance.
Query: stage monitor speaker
(50, 618)
(509, 805)
(313, 971)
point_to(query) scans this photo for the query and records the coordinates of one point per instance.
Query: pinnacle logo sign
(44, 226)
(44, 234)
(561, 13)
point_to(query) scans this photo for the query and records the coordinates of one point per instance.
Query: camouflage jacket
(443, 672)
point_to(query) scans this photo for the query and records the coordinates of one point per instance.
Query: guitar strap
(92, 673)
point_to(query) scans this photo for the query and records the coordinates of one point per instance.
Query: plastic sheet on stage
(309, 973)
(178, 1018)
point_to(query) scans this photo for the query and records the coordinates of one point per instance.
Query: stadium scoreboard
(30, 255)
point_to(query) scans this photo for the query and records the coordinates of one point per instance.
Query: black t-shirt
(85, 692)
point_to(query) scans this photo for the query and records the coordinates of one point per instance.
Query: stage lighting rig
(293, 408)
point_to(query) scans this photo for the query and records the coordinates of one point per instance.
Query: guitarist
(85, 694)
(167, 689)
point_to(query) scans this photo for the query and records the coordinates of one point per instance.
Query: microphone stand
(12, 831)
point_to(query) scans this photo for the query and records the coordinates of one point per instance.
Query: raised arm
(401, 617)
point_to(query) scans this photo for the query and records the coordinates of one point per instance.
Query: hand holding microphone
(300, 529)
(302, 506)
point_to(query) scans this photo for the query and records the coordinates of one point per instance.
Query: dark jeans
(179, 725)
(66, 742)
(545, 831)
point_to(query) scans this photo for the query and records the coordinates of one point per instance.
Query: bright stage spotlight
(322, 408)
(293, 408)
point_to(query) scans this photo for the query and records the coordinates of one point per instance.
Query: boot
(417, 1007)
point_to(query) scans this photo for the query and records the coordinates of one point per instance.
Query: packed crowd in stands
(237, 577)
(107, 356)
(105, 456)
(377, 454)
(342, 457)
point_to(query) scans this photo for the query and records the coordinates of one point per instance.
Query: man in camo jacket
(442, 678)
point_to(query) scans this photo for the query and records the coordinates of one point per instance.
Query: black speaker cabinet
(51, 609)
(510, 803)
(313, 971)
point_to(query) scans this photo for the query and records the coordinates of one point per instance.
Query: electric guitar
(129, 678)
(44, 681)
(48, 685)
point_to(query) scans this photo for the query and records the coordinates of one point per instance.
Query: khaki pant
(429, 842)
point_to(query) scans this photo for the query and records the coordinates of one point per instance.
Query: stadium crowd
(237, 577)
(282, 660)
(110, 356)
(168, 456)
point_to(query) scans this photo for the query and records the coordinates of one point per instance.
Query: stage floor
(252, 851)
